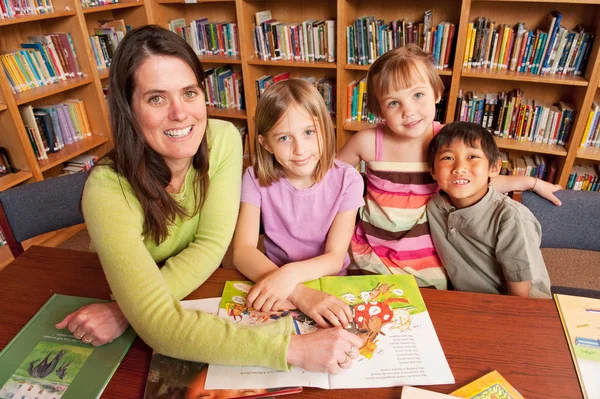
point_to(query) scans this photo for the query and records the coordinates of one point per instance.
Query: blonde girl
(392, 235)
(306, 200)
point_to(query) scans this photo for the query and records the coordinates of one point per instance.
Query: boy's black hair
(467, 132)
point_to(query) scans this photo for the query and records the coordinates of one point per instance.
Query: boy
(487, 242)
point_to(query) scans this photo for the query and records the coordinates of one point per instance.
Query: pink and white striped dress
(392, 235)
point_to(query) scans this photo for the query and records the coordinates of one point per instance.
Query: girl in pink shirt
(307, 203)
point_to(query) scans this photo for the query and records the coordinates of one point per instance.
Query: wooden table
(521, 338)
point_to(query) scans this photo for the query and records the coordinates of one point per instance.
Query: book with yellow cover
(490, 386)
(580, 317)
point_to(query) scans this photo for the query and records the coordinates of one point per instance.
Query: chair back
(32, 209)
(575, 224)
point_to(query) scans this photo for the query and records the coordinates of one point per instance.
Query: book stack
(325, 86)
(51, 127)
(591, 134)
(44, 60)
(556, 51)
(209, 38)
(368, 38)
(95, 3)
(12, 9)
(584, 177)
(105, 40)
(80, 163)
(510, 115)
(310, 40)
(535, 166)
(224, 88)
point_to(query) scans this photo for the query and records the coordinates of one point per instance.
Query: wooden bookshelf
(591, 153)
(227, 113)
(69, 16)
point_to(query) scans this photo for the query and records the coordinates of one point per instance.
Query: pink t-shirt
(296, 221)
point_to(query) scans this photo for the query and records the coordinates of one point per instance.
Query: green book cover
(43, 362)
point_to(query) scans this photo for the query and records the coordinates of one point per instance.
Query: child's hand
(272, 291)
(325, 309)
(546, 190)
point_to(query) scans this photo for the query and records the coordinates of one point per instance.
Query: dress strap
(379, 142)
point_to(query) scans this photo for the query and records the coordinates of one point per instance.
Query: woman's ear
(263, 142)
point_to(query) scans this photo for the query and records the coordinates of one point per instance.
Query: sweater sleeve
(217, 217)
(114, 220)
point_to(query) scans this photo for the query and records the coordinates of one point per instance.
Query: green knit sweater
(149, 296)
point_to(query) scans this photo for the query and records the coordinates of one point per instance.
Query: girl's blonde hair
(274, 103)
(398, 69)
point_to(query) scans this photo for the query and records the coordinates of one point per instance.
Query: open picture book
(400, 345)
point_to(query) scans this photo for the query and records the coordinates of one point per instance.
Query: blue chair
(32, 209)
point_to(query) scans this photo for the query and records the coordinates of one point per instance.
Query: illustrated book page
(490, 386)
(580, 318)
(43, 362)
(400, 346)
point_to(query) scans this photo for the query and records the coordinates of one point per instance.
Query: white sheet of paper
(418, 393)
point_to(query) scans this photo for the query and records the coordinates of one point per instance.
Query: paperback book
(580, 317)
(43, 362)
(400, 346)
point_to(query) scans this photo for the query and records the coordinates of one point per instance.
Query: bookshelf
(68, 16)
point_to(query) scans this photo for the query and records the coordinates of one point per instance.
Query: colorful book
(400, 346)
(176, 378)
(42, 361)
(580, 317)
(490, 386)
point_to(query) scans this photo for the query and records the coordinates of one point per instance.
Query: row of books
(20, 8)
(584, 177)
(357, 109)
(44, 60)
(106, 39)
(536, 166)
(368, 38)
(591, 134)
(502, 47)
(224, 88)
(311, 40)
(96, 3)
(325, 86)
(51, 127)
(208, 38)
(510, 115)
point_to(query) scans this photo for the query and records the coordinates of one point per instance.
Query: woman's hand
(273, 290)
(328, 350)
(546, 190)
(321, 307)
(96, 324)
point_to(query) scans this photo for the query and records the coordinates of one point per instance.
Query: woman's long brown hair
(131, 157)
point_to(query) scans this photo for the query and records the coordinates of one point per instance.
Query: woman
(169, 192)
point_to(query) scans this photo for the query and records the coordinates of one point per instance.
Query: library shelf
(48, 90)
(12, 179)
(103, 73)
(357, 126)
(566, 80)
(36, 17)
(294, 64)
(219, 59)
(3, 107)
(110, 7)
(541, 1)
(193, 1)
(71, 150)
(527, 146)
(355, 67)
(591, 153)
(226, 113)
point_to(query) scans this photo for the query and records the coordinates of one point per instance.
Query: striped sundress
(392, 235)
